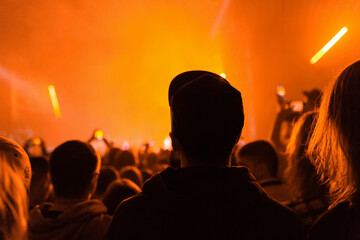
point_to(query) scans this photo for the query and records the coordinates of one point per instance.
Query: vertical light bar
(331, 43)
(54, 100)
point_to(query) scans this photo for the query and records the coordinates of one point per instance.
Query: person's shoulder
(131, 215)
(340, 222)
(136, 201)
(279, 221)
(276, 220)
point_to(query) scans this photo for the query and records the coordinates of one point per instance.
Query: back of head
(106, 176)
(261, 157)
(132, 173)
(334, 146)
(207, 115)
(117, 191)
(313, 99)
(110, 157)
(40, 182)
(17, 157)
(123, 159)
(72, 167)
(40, 169)
(152, 160)
(13, 201)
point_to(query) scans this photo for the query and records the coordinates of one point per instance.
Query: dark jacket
(203, 203)
(341, 222)
(86, 220)
(309, 209)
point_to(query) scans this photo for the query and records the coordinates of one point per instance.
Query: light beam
(54, 101)
(331, 43)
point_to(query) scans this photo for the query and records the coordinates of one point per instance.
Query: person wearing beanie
(205, 198)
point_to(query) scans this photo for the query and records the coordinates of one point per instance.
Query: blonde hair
(17, 158)
(334, 147)
(13, 202)
(300, 173)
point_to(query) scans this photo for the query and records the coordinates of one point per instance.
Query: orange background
(111, 62)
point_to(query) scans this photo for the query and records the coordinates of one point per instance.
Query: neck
(192, 162)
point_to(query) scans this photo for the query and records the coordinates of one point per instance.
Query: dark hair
(207, 115)
(123, 159)
(132, 173)
(117, 191)
(106, 176)
(72, 165)
(110, 156)
(40, 181)
(261, 152)
(40, 169)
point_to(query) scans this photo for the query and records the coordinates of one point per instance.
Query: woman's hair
(13, 202)
(300, 172)
(334, 146)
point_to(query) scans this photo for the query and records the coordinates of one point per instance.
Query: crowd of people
(304, 184)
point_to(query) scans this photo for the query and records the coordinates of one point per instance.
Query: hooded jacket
(86, 220)
(203, 203)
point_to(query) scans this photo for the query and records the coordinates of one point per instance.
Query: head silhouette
(74, 168)
(261, 158)
(206, 116)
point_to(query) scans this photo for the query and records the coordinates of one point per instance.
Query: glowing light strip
(331, 43)
(54, 100)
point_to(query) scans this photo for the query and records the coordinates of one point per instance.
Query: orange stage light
(331, 43)
(54, 100)
(36, 141)
(99, 135)
(280, 90)
(223, 75)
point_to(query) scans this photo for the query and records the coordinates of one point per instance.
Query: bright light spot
(280, 90)
(54, 100)
(125, 145)
(36, 141)
(223, 75)
(167, 143)
(331, 43)
(99, 134)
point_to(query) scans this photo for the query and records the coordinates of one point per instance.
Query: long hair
(300, 173)
(13, 202)
(334, 146)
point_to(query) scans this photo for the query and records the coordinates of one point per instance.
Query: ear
(175, 142)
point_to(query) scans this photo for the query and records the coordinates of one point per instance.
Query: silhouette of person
(205, 198)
